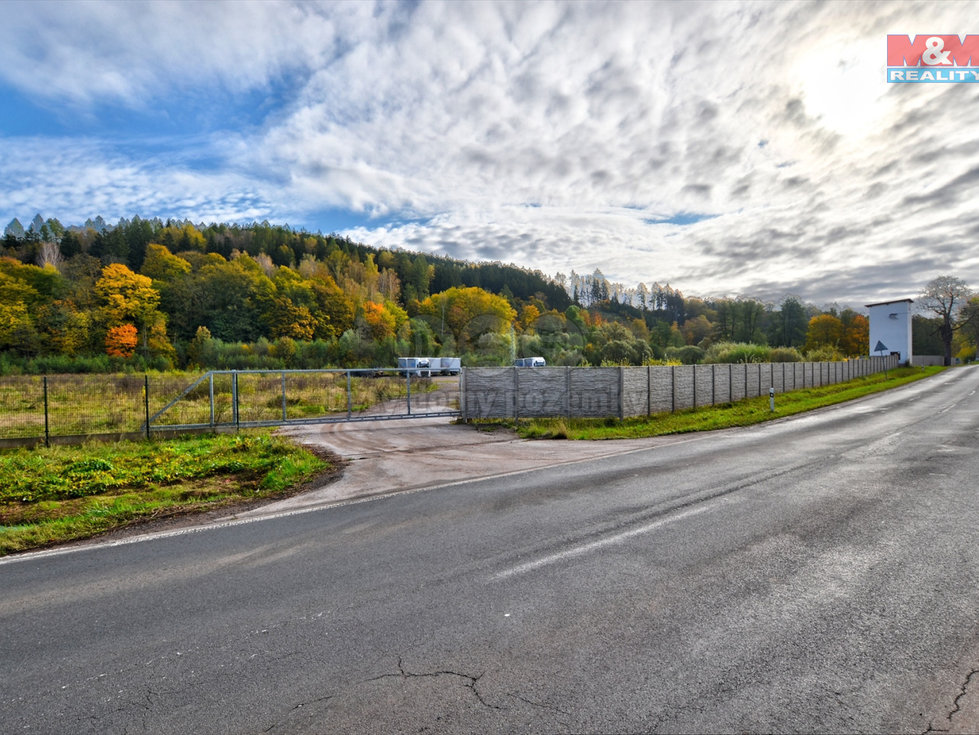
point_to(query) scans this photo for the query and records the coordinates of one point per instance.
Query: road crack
(956, 705)
(469, 680)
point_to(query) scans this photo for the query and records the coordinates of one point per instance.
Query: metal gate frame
(333, 418)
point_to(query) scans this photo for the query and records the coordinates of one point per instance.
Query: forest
(147, 294)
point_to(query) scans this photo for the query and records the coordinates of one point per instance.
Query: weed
(64, 493)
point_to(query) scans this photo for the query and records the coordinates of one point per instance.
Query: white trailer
(420, 366)
(448, 365)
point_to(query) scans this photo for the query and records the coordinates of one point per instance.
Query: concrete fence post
(649, 390)
(713, 384)
(673, 388)
(693, 371)
(621, 392)
(567, 391)
(516, 394)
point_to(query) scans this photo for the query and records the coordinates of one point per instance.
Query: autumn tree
(124, 298)
(121, 341)
(529, 315)
(824, 330)
(970, 321)
(856, 336)
(17, 330)
(468, 314)
(945, 296)
(162, 265)
(63, 327)
(379, 322)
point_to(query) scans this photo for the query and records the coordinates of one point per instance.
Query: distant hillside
(148, 293)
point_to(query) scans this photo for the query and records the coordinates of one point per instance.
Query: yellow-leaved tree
(477, 320)
(127, 298)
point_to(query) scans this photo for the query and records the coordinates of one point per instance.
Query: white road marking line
(594, 545)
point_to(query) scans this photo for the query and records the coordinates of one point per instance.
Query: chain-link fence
(65, 408)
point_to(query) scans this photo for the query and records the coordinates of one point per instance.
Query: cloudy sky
(726, 148)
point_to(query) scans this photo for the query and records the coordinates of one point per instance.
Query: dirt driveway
(410, 454)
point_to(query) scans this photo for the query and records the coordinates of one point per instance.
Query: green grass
(742, 413)
(112, 404)
(57, 494)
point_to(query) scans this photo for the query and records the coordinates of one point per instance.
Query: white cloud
(549, 134)
(86, 178)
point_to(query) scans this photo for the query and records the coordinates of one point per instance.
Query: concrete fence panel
(683, 388)
(635, 391)
(722, 383)
(703, 385)
(595, 392)
(605, 392)
(661, 388)
(541, 393)
(488, 393)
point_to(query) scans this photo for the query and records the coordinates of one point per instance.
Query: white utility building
(890, 327)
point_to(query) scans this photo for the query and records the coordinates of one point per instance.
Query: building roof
(885, 303)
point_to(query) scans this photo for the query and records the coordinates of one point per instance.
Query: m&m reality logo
(936, 59)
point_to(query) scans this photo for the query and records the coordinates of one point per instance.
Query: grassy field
(58, 494)
(117, 404)
(742, 413)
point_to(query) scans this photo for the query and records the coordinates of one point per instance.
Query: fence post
(284, 396)
(649, 390)
(211, 394)
(350, 405)
(621, 392)
(693, 370)
(407, 386)
(673, 388)
(567, 391)
(146, 402)
(463, 399)
(234, 399)
(516, 394)
(713, 384)
(47, 428)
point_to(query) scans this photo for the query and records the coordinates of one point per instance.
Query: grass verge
(65, 493)
(742, 413)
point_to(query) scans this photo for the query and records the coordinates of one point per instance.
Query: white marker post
(771, 399)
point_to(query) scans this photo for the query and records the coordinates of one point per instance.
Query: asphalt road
(818, 574)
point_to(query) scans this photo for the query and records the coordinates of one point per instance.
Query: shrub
(824, 354)
(737, 352)
(688, 355)
(785, 354)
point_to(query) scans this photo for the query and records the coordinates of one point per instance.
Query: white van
(530, 362)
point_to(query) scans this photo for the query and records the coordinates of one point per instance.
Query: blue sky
(726, 148)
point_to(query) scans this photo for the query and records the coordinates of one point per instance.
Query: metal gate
(250, 398)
